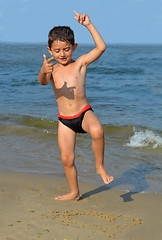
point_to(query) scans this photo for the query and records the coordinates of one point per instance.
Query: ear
(75, 46)
(49, 50)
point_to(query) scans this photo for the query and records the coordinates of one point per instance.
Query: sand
(28, 211)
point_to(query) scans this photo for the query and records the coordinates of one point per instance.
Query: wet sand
(28, 211)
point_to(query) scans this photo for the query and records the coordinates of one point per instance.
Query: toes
(108, 180)
(57, 198)
(68, 197)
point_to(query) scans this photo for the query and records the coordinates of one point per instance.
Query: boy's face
(62, 51)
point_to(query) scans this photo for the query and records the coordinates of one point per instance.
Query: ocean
(124, 88)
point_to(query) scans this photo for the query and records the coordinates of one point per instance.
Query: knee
(97, 132)
(67, 159)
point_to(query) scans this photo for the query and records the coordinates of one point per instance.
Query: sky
(118, 21)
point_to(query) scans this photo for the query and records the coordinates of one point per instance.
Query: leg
(66, 141)
(92, 125)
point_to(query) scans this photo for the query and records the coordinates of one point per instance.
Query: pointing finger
(76, 13)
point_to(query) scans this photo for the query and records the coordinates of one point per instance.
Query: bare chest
(68, 83)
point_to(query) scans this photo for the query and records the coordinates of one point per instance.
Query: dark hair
(61, 33)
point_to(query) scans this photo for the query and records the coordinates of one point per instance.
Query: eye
(56, 51)
(67, 49)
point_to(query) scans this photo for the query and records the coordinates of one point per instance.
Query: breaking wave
(145, 138)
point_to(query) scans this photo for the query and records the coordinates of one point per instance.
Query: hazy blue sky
(118, 21)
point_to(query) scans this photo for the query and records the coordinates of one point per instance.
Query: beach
(28, 211)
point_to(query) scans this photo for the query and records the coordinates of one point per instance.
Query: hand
(82, 19)
(47, 66)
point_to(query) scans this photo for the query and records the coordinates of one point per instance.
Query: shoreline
(28, 211)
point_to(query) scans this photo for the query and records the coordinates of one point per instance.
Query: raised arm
(46, 71)
(99, 42)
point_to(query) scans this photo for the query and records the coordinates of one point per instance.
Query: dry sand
(28, 211)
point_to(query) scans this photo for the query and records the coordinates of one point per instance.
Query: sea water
(124, 88)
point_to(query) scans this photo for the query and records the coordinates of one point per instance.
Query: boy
(67, 78)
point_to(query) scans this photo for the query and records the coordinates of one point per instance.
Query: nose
(62, 53)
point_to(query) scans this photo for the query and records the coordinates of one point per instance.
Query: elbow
(42, 82)
(44, 78)
(103, 48)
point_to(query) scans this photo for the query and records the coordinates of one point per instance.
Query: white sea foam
(144, 138)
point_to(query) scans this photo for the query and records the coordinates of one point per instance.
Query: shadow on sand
(134, 176)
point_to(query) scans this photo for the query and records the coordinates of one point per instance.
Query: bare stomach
(72, 107)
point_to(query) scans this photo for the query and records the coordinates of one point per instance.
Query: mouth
(63, 59)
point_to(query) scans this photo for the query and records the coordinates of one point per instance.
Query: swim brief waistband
(77, 115)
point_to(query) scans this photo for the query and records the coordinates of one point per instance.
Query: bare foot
(69, 196)
(105, 176)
